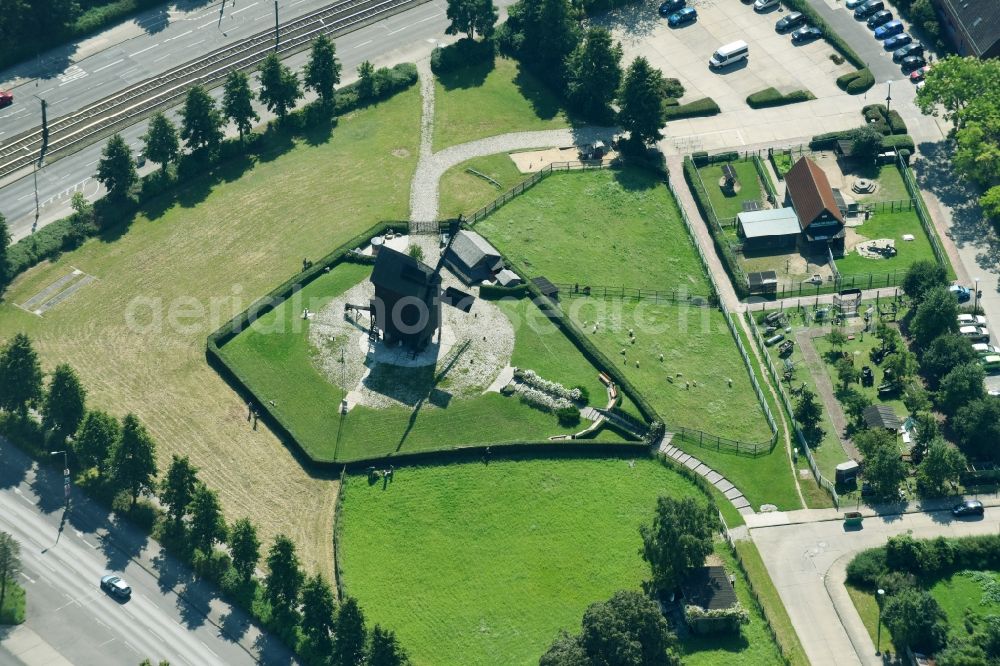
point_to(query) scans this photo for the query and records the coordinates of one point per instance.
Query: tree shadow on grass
(733, 643)
(463, 78)
(543, 102)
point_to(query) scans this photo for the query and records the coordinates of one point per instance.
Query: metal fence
(922, 214)
(732, 329)
(824, 482)
(528, 183)
(677, 295)
(709, 441)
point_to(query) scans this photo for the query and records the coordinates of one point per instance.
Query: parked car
(889, 29)
(991, 364)
(880, 17)
(761, 5)
(789, 21)
(961, 293)
(6, 98)
(975, 333)
(911, 63)
(868, 8)
(116, 586)
(984, 349)
(668, 7)
(854, 4)
(966, 319)
(917, 75)
(897, 41)
(806, 33)
(916, 48)
(968, 508)
(686, 15)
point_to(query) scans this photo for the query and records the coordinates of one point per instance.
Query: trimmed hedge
(47, 243)
(700, 158)
(929, 559)
(898, 142)
(387, 82)
(772, 97)
(492, 292)
(835, 40)
(887, 122)
(855, 83)
(828, 141)
(463, 53)
(896, 123)
(705, 106)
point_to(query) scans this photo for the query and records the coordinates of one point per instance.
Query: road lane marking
(262, 16)
(46, 90)
(110, 65)
(213, 22)
(179, 36)
(30, 579)
(248, 7)
(208, 648)
(196, 43)
(132, 55)
(363, 43)
(163, 57)
(131, 647)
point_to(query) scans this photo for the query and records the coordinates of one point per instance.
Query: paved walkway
(732, 493)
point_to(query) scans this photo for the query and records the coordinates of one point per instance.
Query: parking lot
(683, 52)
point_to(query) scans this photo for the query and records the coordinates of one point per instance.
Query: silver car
(116, 587)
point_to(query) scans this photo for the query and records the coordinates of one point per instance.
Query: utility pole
(888, 98)
(65, 473)
(277, 28)
(41, 158)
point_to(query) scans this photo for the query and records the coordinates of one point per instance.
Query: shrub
(705, 106)
(494, 292)
(568, 416)
(730, 156)
(673, 89)
(387, 82)
(700, 158)
(771, 97)
(867, 568)
(862, 82)
(212, 566)
(898, 141)
(904, 154)
(583, 393)
(896, 123)
(463, 53)
(829, 140)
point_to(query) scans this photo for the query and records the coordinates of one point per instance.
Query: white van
(728, 54)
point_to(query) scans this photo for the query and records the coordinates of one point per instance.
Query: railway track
(81, 128)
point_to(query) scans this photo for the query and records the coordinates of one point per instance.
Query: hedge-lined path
(424, 194)
(724, 486)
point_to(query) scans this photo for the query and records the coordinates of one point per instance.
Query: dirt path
(824, 387)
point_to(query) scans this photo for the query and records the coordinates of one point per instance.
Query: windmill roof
(402, 274)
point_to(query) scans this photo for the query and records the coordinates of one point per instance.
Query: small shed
(472, 258)
(546, 287)
(763, 282)
(508, 278)
(710, 589)
(881, 416)
(776, 227)
(846, 472)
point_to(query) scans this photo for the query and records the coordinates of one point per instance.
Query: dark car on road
(685, 15)
(6, 99)
(912, 62)
(670, 6)
(790, 21)
(897, 41)
(889, 29)
(879, 18)
(806, 33)
(909, 50)
(116, 586)
(968, 508)
(869, 8)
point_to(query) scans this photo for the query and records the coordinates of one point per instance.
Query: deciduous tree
(855, 403)
(964, 384)
(837, 339)
(847, 373)
(923, 276)
(237, 102)
(317, 616)
(116, 168)
(944, 353)
(20, 375)
(470, 17)
(133, 460)
(65, 403)
(977, 425)
(323, 69)
(207, 524)
(942, 465)
(95, 439)
(349, 634)
(5, 271)
(628, 630)
(177, 488)
(162, 144)
(809, 415)
(935, 316)
(544, 33)
(366, 80)
(915, 620)
(202, 123)
(10, 563)
(866, 142)
(883, 468)
(678, 540)
(640, 103)
(280, 87)
(245, 547)
(385, 650)
(594, 74)
(284, 575)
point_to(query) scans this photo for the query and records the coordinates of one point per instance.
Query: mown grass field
(609, 227)
(476, 564)
(463, 193)
(137, 334)
(960, 594)
(281, 367)
(728, 206)
(889, 225)
(480, 101)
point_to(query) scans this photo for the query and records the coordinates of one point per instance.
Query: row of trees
(967, 92)
(203, 122)
(585, 66)
(122, 455)
(10, 567)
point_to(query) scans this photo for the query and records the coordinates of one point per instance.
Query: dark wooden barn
(407, 303)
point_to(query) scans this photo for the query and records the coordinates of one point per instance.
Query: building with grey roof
(472, 258)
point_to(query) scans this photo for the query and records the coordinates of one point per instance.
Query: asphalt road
(806, 554)
(70, 620)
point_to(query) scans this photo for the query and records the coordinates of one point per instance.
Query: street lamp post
(65, 472)
(975, 307)
(878, 642)
(888, 98)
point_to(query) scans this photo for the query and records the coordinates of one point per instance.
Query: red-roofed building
(820, 218)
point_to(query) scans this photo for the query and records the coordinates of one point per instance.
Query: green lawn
(867, 608)
(12, 611)
(608, 227)
(889, 225)
(890, 185)
(480, 101)
(484, 564)
(137, 334)
(280, 367)
(961, 594)
(728, 206)
(782, 163)
(753, 646)
(463, 193)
